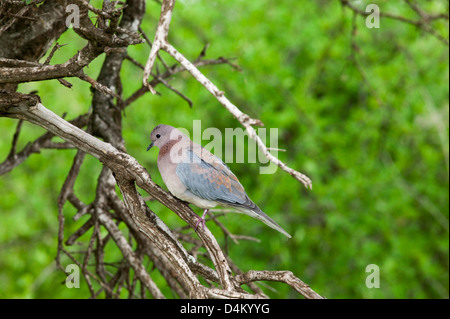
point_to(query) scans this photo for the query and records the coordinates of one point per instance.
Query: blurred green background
(369, 126)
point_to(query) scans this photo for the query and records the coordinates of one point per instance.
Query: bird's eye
(158, 135)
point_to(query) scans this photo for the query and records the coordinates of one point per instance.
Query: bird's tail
(259, 214)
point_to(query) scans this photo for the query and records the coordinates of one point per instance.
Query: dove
(195, 175)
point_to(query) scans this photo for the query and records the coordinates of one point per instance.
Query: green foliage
(370, 127)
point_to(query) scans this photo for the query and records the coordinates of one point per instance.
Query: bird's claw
(201, 220)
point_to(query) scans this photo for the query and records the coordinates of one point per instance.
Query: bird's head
(162, 134)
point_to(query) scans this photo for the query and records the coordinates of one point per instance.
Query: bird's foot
(201, 220)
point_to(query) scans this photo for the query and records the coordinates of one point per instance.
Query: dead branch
(423, 23)
(281, 276)
(126, 171)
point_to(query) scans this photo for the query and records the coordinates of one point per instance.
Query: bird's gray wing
(207, 177)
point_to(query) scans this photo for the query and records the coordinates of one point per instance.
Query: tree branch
(281, 276)
(423, 23)
(151, 236)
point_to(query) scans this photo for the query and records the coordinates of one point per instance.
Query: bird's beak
(150, 146)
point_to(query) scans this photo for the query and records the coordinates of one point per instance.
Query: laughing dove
(195, 175)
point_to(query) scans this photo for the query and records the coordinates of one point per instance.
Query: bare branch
(55, 48)
(281, 276)
(160, 39)
(15, 159)
(155, 242)
(127, 252)
(423, 23)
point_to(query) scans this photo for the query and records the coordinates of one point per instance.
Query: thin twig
(56, 47)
